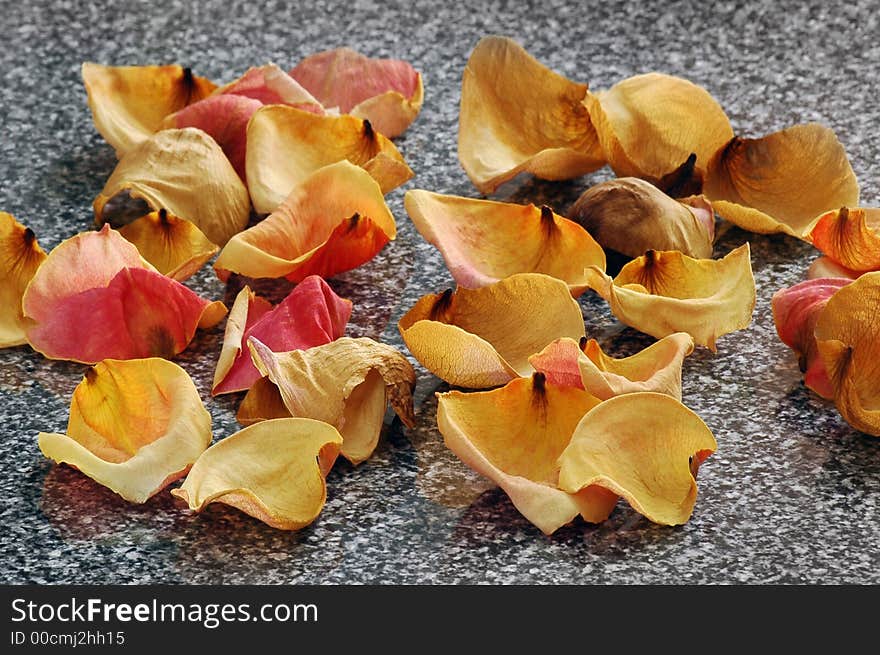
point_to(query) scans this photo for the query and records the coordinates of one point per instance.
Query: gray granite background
(791, 496)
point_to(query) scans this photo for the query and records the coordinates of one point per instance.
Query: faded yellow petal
(848, 338)
(20, 257)
(483, 241)
(135, 426)
(347, 383)
(644, 446)
(665, 292)
(286, 145)
(274, 471)
(480, 338)
(129, 103)
(649, 124)
(514, 436)
(519, 116)
(186, 173)
(391, 112)
(177, 248)
(850, 237)
(263, 401)
(781, 182)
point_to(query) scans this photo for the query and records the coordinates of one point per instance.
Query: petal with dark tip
(850, 237)
(20, 257)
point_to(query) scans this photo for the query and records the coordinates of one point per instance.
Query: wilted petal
(519, 116)
(186, 173)
(175, 247)
(347, 383)
(825, 267)
(386, 92)
(783, 181)
(335, 220)
(311, 315)
(656, 368)
(645, 447)
(514, 436)
(848, 338)
(483, 337)
(129, 103)
(135, 426)
(274, 471)
(632, 216)
(649, 124)
(20, 257)
(483, 241)
(272, 86)
(851, 237)
(661, 293)
(286, 145)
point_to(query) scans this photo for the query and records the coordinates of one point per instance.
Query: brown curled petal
(286, 145)
(649, 124)
(783, 181)
(129, 103)
(286, 491)
(20, 257)
(514, 436)
(186, 173)
(643, 446)
(483, 241)
(850, 237)
(519, 116)
(848, 338)
(480, 338)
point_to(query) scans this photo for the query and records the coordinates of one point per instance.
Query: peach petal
(270, 85)
(825, 267)
(850, 237)
(20, 257)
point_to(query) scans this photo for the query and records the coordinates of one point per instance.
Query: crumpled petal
(645, 447)
(129, 103)
(176, 247)
(850, 237)
(848, 338)
(94, 298)
(274, 471)
(632, 216)
(519, 116)
(347, 383)
(186, 173)
(135, 426)
(311, 315)
(656, 368)
(826, 267)
(286, 145)
(649, 124)
(665, 292)
(386, 92)
(480, 338)
(20, 257)
(795, 312)
(783, 181)
(514, 436)
(335, 220)
(483, 241)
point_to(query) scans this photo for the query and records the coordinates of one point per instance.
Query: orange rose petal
(656, 368)
(649, 124)
(848, 338)
(850, 237)
(274, 471)
(135, 426)
(645, 447)
(480, 338)
(825, 267)
(483, 241)
(347, 383)
(386, 92)
(176, 247)
(335, 220)
(186, 173)
(518, 116)
(129, 103)
(665, 292)
(20, 257)
(514, 436)
(783, 181)
(285, 146)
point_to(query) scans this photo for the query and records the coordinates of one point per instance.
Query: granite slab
(791, 495)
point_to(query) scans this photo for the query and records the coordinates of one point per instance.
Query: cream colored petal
(20, 257)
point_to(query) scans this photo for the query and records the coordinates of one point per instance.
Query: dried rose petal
(20, 257)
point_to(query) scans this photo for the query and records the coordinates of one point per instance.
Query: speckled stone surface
(791, 496)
